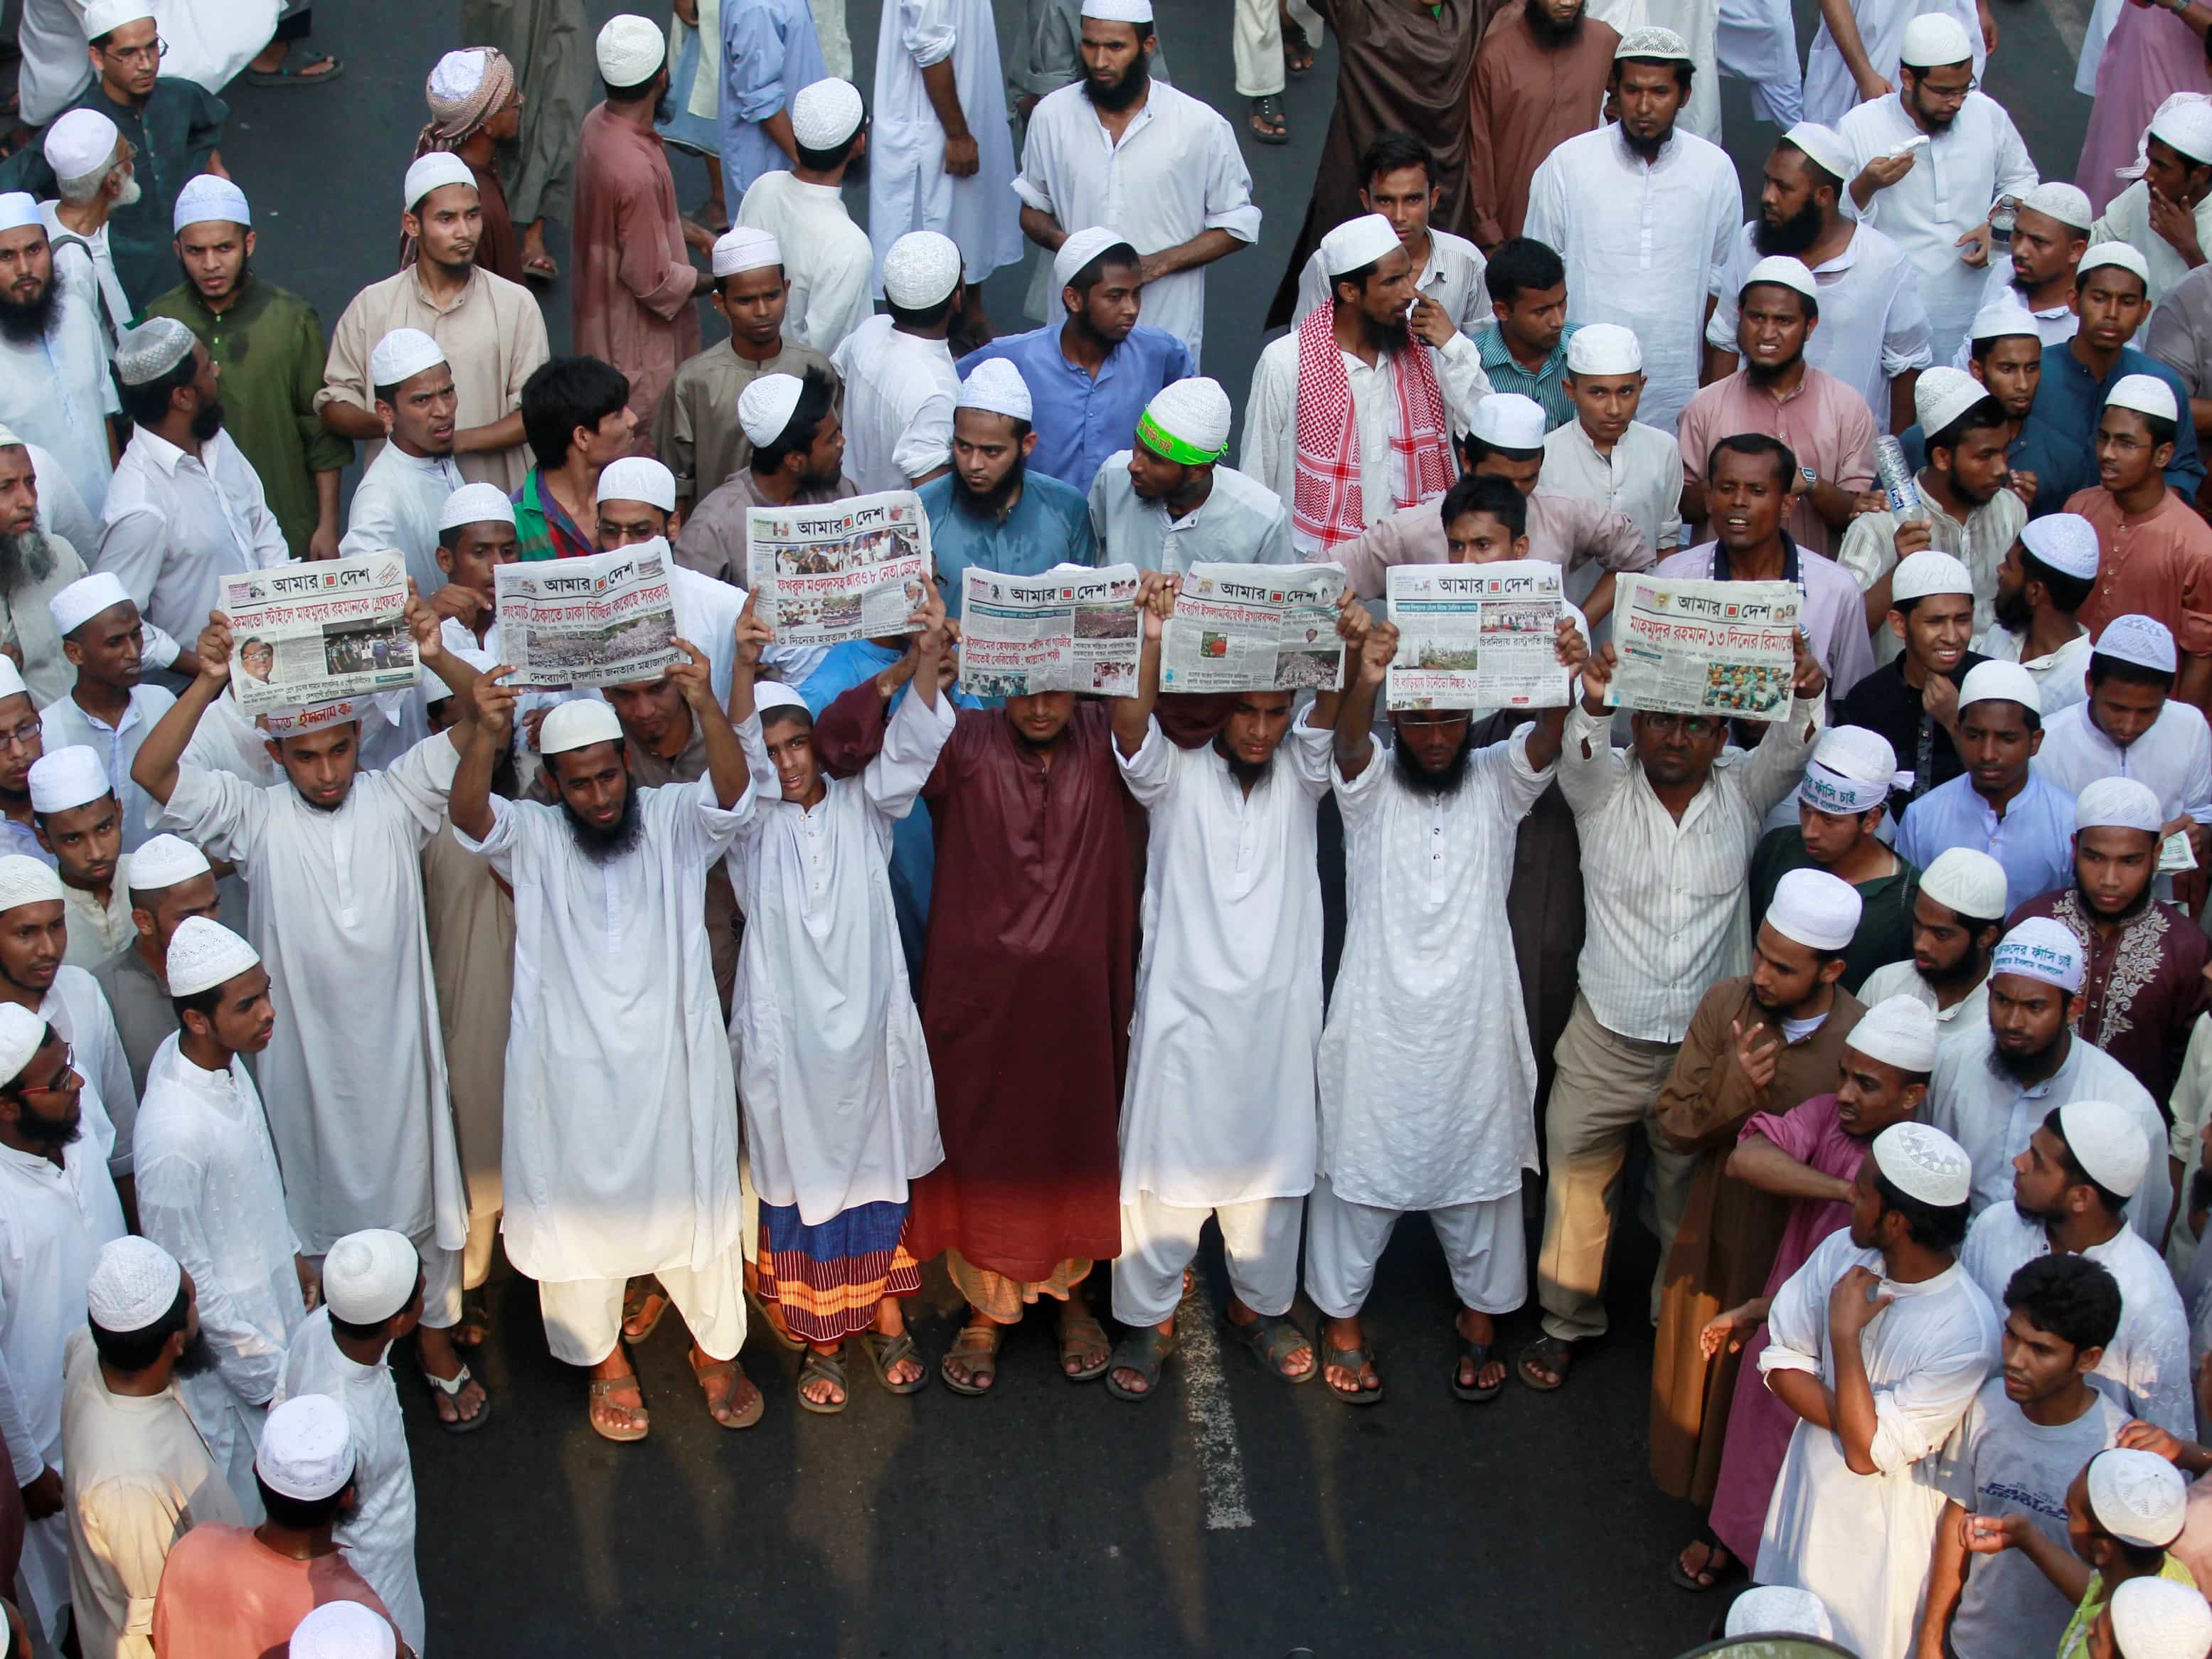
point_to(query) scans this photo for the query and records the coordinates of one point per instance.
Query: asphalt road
(1229, 1516)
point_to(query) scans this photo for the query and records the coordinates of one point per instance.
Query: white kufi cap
(826, 113)
(1932, 40)
(1652, 42)
(765, 406)
(996, 388)
(2143, 640)
(18, 209)
(742, 247)
(2002, 318)
(1080, 249)
(2066, 542)
(922, 269)
(1358, 243)
(369, 1276)
(578, 725)
(638, 479)
(1967, 882)
(1898, 1031)
(1817, 910)
(164, 861)
(1921, 1162)
(1825, 148)
(476, 503)
(457, 77)
(2158, 1618)
(22, 1034)
(1187, 421)
(1778, 1610)
(1604, 349)
(134, 1283)
(2125, 255)
(2186, 127)
(2107, 1142)
(306, 1448)
(1852, 771)
(435, 171)
(1506, 420)
(151, 350)
(2117, 803)
(1784, 271)
(630, 49)
(105, 16)
(64, 778)
(2054, 198)
(401, 354)
(1920, 574)
(1120, 11)
(2000, 682)
(26, 880)
(2041, 948)
(343, 1630)
(1943, 394)
(2145, 393)
(207, 197)
(2137, 1497)
(775, 694)
(203, 954)
(81, 142)
(85, 598)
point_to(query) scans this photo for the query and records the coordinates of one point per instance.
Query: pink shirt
(1824, 420)
(1562, 529)
(634, 282)
(2159, 565)
(225, 1595)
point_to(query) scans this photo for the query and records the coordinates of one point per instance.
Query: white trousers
(583, 1316)
(1158, 1240)
(1258, 37)
(1483, 1244)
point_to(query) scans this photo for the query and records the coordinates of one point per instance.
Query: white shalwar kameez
(210, 1194)
(65, 722)
(1644, 246)
(1859, 1542)
(1756, 40)
(56, 67)
(621, 1149)
(826, 257)
(1830, 92)
(899, 393)
(840, 1106)
(56, 391)
(210, 41)
(77, 1009)
(1219, 1112)
(1427, 1080)
(396, 507)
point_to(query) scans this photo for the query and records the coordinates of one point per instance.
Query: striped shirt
(1670, 903)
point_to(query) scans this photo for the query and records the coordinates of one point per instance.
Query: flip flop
(285, 75)
(1707, 1579)
(451, 1387)
(885, 1351)
(1354, 1360)
(1266, 122)
(540, 269)
(976, 1348)
(1553, 1355)
(1295, 41)
(1143, 1351)
(1272, 1339)
(1079, 1330)
(1474, 1356)
(742, 1415)
(603, 1388)
(827, 1367)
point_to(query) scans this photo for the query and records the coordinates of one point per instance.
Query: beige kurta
(471, 920)
(695, 428)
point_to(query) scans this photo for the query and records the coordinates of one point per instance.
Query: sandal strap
(451, 1387)
(978, 1339)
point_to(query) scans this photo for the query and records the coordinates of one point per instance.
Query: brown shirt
(713, 539)
(1524, 100)
(696, 431)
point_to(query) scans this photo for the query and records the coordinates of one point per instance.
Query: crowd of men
(752, 989)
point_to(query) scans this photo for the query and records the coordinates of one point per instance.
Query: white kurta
(1859, 1542)
(1454, 276)
(841, 1108)
(2127, 219)
(909, 188)
(1830, 92)
(899, 393)
(56, 391)
(1641, 479)
(1241, 521)
(379, 1536)
(56, 67)
(2172, 758)
(113, 300)
(621, 1147)
(64, 723)
(210, 1194)
(354, 1076)
(177, 524)
(2058, 677)
(1219, 1106)
(1697, 22)
(826, 257)
(397, 505)
(77, 1008)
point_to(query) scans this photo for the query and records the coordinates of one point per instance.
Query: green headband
(1164, 444)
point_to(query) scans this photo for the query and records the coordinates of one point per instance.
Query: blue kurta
(2034, 840)
(2071, 401)
(770, 51)
(1049, 525)
(1080, 422)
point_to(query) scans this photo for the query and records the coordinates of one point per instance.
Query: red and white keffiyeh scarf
(1325, 496)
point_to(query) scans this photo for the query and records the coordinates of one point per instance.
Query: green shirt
(2074, 1644)
(269, 346)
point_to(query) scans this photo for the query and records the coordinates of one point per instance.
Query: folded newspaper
(609, 619)
(1254, 628)
(855, 569)
(1698, 646)
(1073, 628)
(312, 633)
(1477, 636)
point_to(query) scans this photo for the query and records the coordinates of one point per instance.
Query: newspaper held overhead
(314, 633)
(609, 619)
(1477, 636)
(1073, 628)
(855, 569)
(1254, 628)
(1692, 647)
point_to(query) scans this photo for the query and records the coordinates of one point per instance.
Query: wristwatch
(1812, 479)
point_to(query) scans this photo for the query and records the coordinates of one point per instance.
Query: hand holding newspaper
(1477, 636)
(1073, 628)
(1254, 628)
(1698, 646)
(314, 633)
(609, 619)
(855, 569)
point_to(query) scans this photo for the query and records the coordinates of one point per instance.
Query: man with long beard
(991, 511)
(54, 385)
(1539, 77)
(35, 565)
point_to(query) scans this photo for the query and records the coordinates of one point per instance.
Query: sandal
(285, 75)
(1721, 1567)
(1143, 1351)
(1354, 1360)
(1266, 121)
(976, 1348)
(644, 1304)
(885, 1351)
(1297, 48)
(728, 1412)
(451, 1387)
(776, 1327)
(824, 1368)
(1080, 1333)
(540, 268)
(1554, 1355)
(603, 1389)
(1474, 1356)
(1273, 1339)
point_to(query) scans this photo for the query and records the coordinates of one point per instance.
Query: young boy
(75, 814)
(1605, 454)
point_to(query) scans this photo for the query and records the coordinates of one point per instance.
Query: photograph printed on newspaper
(1254, 628)
(1698, 646)
(1072, 628)
(607, 619)
(311, 633)
(855, 569)
(1477, 636)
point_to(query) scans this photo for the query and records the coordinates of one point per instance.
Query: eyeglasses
(25, 736)
(69, 1082)
(153, 53)
(1692, 727)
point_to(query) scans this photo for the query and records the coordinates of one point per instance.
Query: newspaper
(312, 633)
(855, 569)
(1073, 628)
(1692, 647)
(1254, 628)
(1477, 636)
(609, 619)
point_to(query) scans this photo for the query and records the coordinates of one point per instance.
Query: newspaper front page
(855, 569)
(1073, 628)
(312, 633)
(609, 619)
(1477, 636)
(1705, 648)
(1254, 628)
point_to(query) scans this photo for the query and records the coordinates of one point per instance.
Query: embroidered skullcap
(22, 1034)
(1119, 11)
(1943, 394)
(996, 388)
(2002, 318)
(369, 1276)
(2123, 254)
(432, 172)
(457, 77)
(134, 1283)
(343, 1630)
(578, 725)
(476, 503)
(1652, 42)
(1932, 40)
(1356, 243)
(1852, 771)
(17, 209)
(2107, 1142)
(1080, 249)
(203, 954)
(765, 407)
(1921, 1162)
(2146, 394)
(2143, 640)
(1920, 574)
(1898, 1031)
(922, 268)
(2138, 1496)
(105, 16)
(1604, 349)
(1187, 421)
(85, 598)
(1784, 272)
(207, 197)
(64, 778)
(2117, 803)
(26, 880)
(80, 143)
(2185, 127)
(2041, 948)
(1967, 882)
(741, 247)
(164, 861)
(151, 350)
(2066, 542)
(401, 354)
(1506, 420)
(306, 1448)
(1825, 148)
(826, 113)
(2158, 1618)
(1774, 1610)
(310, 717)
(1817, 910)
(775, 694)
(638, 479)
(2056, 199)
(630, 49)
(2000, 682)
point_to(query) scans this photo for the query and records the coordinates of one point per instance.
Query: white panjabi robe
(396, 505)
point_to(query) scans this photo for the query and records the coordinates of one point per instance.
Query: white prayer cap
(2138, 1496)
(105, 16)
(9, 439)
(2143, 640)
(1932, 40)
(1358, 243)
(2056, 199)
(2123, 254)
(203, 954)
(2041, 948)
(1921, 1162)
(26, 880)
(826, 113)
(1825, 148)
(2107, 1142)
(995, 386)
(343, 1630)
(457, 74)
(2117, 803)
(2066, 542)
(1919, 575)
(134, 1283)
(476, 503)
(765, 406)
(2146, 394)
(207, 197)
(1120, 11)
(1942, 394)
(1776, 1610)
(1080, 249)
(17, 209)
(2001, 319)
(1652, 42)
(742, 247)
(164, 861)
(1817, 910)
(1967, 882)
(11, 679)
(631, 50)
(1187, 421)
(2000, 682)
(1604, 349)
(775, 694)
(1506, 420)
(922, 269)
(369, 1276)
(638, 479)
(306, 1448)
(1784, 271)
(63, 778)
(1898, 1031)
(401, 354)
(80, 143)
(1852, 771)
(434, 171)
(2158, 1618)
(2186, 127)
(22, 1034)
(85, 598)
(578, 725)
(151, 350)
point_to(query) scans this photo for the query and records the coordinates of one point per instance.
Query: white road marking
(1213, 1422)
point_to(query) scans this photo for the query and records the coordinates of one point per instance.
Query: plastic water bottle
(2002, 217)
(1897, 479)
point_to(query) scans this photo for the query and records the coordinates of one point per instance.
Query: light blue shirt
(1049, 525)
(1080, 421)
(2034, 840)
(770, 51)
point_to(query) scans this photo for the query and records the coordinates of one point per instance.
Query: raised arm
(1546, 737)
(491, 718)
(154, 770)
(1370, 648)
(1133, 716)
(725, 759)
(424, 623)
